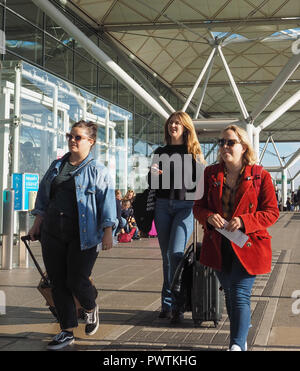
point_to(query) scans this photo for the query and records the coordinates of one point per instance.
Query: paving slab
(129, 278)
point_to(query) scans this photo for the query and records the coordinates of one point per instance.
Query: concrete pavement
(129, 279)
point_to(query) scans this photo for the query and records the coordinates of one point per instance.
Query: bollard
(8, 228)
(23, 230)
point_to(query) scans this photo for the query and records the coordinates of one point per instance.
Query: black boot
(177, 317)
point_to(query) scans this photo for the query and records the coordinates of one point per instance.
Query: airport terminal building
(126, 65)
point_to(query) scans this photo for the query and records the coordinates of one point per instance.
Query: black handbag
(144, 209)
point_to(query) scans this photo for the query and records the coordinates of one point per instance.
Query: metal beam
(264, 150)
(206, 24)
(277, 153)
(293, 159)
(296, 175)
(236, 92)
(273, 169)
(188, 84)
(204, 87)
(202, 73)
(276, 85)
(101, 57)
(280, 110)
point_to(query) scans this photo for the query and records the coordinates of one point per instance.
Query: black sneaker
(92, 321)
(164, 314)
(177, 318)
(61, 340)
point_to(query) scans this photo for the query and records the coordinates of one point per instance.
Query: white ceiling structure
(173, 40)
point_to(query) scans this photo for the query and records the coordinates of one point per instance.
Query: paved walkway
(129, 278)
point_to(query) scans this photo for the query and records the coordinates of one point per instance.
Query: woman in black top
(175, 171)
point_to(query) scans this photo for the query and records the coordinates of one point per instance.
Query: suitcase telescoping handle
(195, 234)
(25, 239)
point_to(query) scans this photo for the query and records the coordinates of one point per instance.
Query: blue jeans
(237, 285)
(174, 224)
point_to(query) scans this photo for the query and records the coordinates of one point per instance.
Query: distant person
(295, 201)
(119, 225)
(288, 204)
(130, 194)
(298, 198)
(75, 211)
(231, 195)
(128, 221)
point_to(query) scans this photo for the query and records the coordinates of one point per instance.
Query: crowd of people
(293, 202)
(125, 217)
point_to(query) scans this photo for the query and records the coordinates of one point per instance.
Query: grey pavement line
(264, 331)
(115, 334)
(129, 284)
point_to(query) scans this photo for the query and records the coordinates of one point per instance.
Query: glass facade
(33, 37)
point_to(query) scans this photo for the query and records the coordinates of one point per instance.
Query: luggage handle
(25, 239)
(195, 235)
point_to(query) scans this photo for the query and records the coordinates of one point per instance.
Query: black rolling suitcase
(196, 287)
(44, 286)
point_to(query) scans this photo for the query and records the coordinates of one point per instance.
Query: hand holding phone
(155, 169)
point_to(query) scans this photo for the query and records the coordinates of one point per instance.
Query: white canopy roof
(174, 38)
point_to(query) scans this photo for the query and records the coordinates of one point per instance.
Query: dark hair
(90, 127)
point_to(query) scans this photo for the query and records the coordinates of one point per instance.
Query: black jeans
(68, 268)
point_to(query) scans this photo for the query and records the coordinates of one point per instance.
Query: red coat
(256, 254)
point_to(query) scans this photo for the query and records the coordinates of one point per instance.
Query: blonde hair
(249, 156)
(126, 197)
(189, 135)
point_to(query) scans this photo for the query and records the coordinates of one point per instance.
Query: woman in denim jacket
(75, 211)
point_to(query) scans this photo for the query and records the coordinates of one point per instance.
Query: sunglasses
(229, 142)
(77, 138)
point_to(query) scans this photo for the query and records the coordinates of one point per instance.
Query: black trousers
(68, 267)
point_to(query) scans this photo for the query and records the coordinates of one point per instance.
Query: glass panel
(85, 73)
(107, 85)
(36, 150)
(140, 135)
(80, 49)
(41, 142)
(125, 98)
(58, 32)
(58, 58)
(28, 43)
(28, 10)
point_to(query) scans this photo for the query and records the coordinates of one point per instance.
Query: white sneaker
(235, 348)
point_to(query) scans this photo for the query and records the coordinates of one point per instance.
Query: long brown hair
(189, 135)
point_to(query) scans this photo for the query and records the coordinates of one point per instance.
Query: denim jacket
(95, 198)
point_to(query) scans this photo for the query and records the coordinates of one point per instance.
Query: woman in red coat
(237, 195)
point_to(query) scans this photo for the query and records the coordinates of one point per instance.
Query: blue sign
(18, 187)
(23, 183)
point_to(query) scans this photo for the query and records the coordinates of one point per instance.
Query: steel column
(195, 87)
(235, 89)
